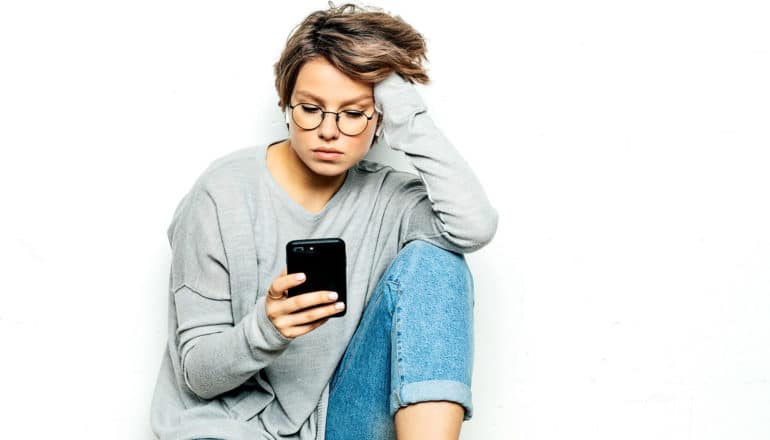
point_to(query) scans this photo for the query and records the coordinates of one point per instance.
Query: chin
(327, 169)
(330, 170)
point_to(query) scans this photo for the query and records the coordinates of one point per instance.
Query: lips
(327, 150)
(327, 154)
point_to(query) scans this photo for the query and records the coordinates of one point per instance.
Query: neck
(306, 187)
(305, 177)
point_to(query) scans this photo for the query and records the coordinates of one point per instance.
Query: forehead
(320, 80)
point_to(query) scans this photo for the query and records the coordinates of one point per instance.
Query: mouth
(327, 150)
(327, 153)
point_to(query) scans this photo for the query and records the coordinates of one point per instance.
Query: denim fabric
(414, 343)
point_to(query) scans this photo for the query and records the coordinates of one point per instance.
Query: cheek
(363, 142)
(368, 134)
(300, 137)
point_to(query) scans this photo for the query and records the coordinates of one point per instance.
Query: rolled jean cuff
(432, 390)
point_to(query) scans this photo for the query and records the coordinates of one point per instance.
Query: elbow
(196, 389)
(483, 227)
(479, 230)
(196, 385)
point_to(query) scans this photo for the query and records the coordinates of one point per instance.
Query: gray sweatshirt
(226, 371)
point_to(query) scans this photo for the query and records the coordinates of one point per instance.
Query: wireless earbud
(379, 131)
(288, 115)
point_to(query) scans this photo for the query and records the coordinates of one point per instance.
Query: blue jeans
(414, 344)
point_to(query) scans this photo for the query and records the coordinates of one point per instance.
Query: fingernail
(333, 296)
(300, 276)
(339, 306)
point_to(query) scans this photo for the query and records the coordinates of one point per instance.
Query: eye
(310, 108)
(352, 114)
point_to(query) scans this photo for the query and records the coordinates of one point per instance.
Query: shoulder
(391, 185)
(385, 175)
(232, 170)
(395, 190)
(227, 180)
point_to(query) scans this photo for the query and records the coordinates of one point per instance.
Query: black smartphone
(323, 262)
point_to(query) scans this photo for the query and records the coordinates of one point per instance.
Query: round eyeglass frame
(336, 119)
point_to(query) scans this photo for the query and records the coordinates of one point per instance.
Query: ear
(378, 131)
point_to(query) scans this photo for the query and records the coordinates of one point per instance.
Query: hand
(299, 314)
(397, 100)
(386, 91)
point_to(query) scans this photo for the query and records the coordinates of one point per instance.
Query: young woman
(244, 360)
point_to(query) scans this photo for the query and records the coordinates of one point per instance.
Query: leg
(429, 420)
(435, 361)
(412, 349)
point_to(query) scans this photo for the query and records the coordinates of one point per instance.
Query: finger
(285, 282)
(310, 299)
(304, 301)
(282, 284)
(314, 314)
(304, 329)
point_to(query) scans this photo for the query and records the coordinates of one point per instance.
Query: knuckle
(306, 300)
(327, 311)
(295, 303)
(299, 301)
(281, 326)
(321, 313)
(310, 315)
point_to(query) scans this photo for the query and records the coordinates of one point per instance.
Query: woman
(245, 361)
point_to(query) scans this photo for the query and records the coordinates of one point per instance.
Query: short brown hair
(363, 42)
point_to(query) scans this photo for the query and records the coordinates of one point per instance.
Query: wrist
(397, 99)
(262, 331)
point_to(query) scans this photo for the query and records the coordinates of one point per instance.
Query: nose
(328, 128)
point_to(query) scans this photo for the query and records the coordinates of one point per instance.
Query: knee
(430, 264)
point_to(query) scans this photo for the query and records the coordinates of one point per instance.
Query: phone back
(323, 261)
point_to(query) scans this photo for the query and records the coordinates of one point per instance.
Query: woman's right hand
(299, 314)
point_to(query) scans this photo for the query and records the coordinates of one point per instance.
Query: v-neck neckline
(292, 204)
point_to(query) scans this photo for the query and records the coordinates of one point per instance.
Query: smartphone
(323, 262)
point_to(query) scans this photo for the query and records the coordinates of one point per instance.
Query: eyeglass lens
(309, 117)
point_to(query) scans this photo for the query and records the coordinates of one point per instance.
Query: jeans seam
(396, 323)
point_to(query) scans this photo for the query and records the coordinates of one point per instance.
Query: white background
(624, 144)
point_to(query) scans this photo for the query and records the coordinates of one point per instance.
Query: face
(323, 85)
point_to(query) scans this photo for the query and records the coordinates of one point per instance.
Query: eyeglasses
(310, 117)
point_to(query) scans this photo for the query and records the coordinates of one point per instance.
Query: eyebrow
(349, 101)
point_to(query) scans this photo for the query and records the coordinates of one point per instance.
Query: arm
(447, 204)
(217, 355)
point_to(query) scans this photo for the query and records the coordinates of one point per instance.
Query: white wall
(624, 144)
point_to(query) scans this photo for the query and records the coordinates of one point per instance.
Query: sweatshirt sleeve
(446, 205)
(216, 353)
